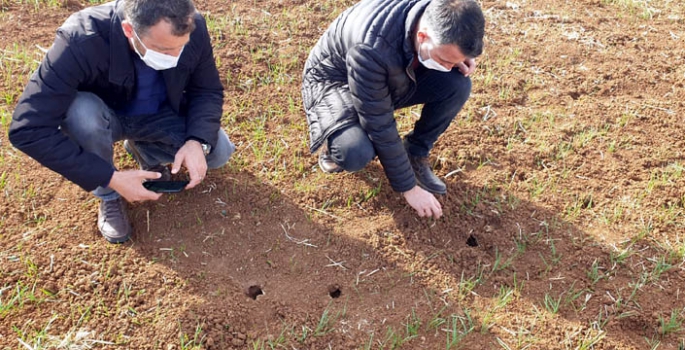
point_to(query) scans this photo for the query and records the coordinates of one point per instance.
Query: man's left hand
(192, 157)
(467, 67)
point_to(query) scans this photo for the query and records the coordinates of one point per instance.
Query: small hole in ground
(334, 291)
(254, 291)
(471, 241)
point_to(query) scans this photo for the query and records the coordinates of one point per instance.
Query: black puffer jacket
(360, 70)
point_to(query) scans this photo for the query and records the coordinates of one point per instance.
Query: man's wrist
(193, 138)
(206, 147)
(109, 180)
(112, 180)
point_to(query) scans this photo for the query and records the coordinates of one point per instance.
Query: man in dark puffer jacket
(382, 55)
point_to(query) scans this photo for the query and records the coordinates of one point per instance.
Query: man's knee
(86, 115)
(222, 152)
(357, 157)
(460, 88)
(351, 148)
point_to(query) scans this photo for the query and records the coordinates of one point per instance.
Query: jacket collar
(120, 60)
(410, 24)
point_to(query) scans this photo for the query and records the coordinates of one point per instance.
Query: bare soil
(569, 152)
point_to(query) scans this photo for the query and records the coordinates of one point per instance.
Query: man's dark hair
(144, 14)
(457, 22)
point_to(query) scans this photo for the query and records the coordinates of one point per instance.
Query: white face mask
(431, 63)
(156, 60)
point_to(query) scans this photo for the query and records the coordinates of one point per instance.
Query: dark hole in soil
(334, 291)
(254, 291)
(471, 241)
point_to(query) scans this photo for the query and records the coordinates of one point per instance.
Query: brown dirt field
(565, 186)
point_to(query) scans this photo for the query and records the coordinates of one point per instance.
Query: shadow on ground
(263, 269)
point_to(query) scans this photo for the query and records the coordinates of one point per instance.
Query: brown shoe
(113, 221)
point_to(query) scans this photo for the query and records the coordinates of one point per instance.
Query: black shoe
(424, 174)
(327, 164)
(113, 221)
(131, 148)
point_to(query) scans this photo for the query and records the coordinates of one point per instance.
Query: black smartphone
(165, 186)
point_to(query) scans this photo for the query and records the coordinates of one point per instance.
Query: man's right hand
(129, 184)
(423, 202)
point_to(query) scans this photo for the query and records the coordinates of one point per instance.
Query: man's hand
(129, 184)
(193, 158)
(423, 202)
(467, 67)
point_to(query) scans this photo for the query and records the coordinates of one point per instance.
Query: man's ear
(127, 28)
(421, 34)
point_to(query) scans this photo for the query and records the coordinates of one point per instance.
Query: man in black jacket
(136, 70)
(382, 55)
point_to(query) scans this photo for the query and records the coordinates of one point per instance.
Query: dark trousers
(443, 94)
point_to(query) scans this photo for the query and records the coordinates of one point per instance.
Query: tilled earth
(565, 189)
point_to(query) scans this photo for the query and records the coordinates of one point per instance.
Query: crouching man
(382, 55)
(142, 71)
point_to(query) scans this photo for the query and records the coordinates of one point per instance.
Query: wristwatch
(206, 148)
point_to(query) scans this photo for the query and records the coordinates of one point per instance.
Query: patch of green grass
(34, 338)
(613, 215)
(644, 228)
(498, 264)
(328, 320)
(459, 326)
(412, 326)
(572, 295)
(5, 118)
(39, 338)
(635, 8)
(672, 324)
(3, 181)
(14, 297)
(580, 202)
(467, 285)
(661, 265)
(216, 24)
(396, 339)
(554, 257)
(551, 304)
(489, 319)
(594, 273)
(194, 341)
(16, 63)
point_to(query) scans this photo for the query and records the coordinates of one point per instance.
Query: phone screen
(165, 186)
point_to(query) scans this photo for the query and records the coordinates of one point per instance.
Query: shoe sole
(330, 170)
(116, 240)
(335, 171)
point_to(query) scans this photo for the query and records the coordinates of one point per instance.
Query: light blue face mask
(431, 63)
(156, 60)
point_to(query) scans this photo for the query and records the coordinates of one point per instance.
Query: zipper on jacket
(410, 72)
(412, 77)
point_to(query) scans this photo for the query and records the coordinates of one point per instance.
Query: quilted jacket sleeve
(35, 124)
(367, 78)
